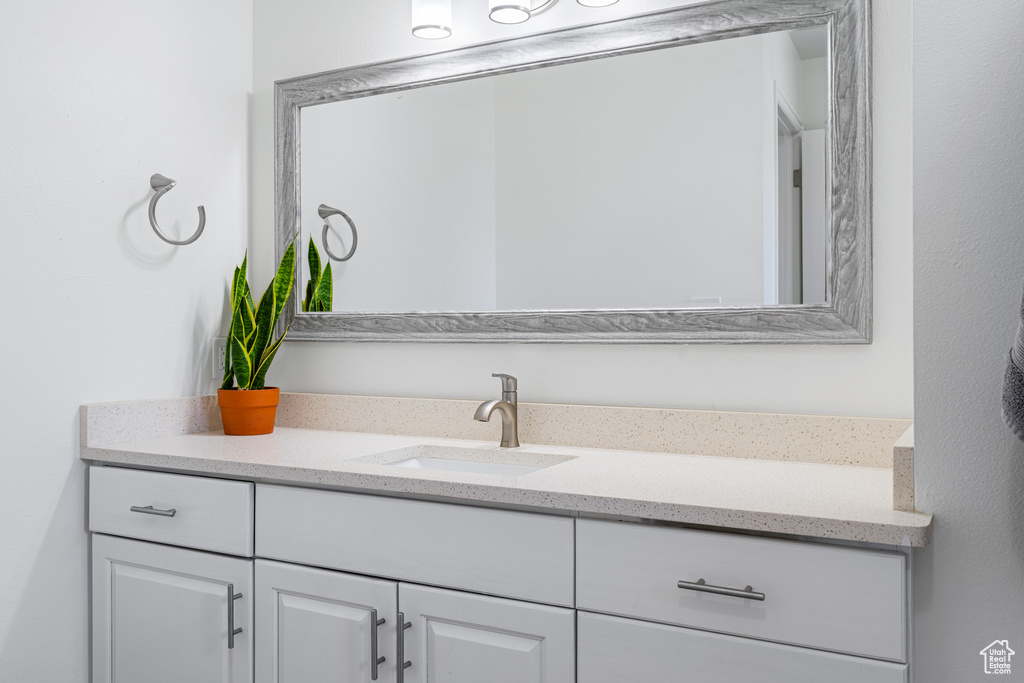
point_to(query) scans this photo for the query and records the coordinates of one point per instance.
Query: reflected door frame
(783, 262)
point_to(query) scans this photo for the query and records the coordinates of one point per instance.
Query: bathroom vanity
(377, 539)
(314, 554)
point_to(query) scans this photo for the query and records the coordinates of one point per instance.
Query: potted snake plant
(247, 406)
(320, 287)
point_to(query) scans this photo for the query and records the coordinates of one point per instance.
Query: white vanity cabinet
(358, 587)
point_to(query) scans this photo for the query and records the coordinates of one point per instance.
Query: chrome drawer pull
(150, 510)
(702, 587)
(375, 661)
(402, 664)
(232, 631)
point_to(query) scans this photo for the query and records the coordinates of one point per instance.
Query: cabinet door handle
(402, 664)
(375, 661)
(150, 510)
(701, 587)
(232, 631)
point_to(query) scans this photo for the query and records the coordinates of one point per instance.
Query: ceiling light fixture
(515, 11)
(432, 19)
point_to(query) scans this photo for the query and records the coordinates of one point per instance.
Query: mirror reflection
(682, 177)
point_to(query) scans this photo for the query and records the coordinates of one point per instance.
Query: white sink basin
(476, 466)
(502, 463)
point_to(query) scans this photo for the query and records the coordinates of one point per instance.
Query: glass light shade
(597, 3)
(509, 11)
(431, 19)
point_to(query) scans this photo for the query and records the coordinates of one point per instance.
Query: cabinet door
(162, 614)
(463, 638)
(616, 650)
(316, 625)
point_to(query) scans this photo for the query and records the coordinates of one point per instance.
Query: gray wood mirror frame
(844, 319)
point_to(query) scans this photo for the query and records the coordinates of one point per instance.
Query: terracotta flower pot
(248, 413)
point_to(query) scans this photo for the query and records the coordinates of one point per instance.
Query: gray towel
(1013, 385)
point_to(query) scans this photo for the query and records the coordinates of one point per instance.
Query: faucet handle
(508, 382)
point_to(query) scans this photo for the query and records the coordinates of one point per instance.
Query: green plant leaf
(241, 362)
(325, 290)
(236, 323)
(266, 316)
(239, 285)
(234, 288)
(284, 278)
(309, 296)
(243, 323)
(243, 293)
(243, 329)
(313, 258)
(229, 371)
(260, 376)
(248, 341)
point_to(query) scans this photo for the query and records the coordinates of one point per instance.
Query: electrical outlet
(219, 344)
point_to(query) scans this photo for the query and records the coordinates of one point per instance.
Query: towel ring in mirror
(326, 211)
(162, 185)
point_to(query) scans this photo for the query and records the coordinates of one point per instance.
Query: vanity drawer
(841, 599)
(615, 650)
(498, 552)
(209, 514)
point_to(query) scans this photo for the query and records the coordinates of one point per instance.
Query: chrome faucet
(508, 407)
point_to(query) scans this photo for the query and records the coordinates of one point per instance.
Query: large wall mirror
(695, 175)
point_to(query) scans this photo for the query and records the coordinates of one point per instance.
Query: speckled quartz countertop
(853, 503)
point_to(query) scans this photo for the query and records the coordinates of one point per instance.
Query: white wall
(391, 163)
(968, 270)
(637, 195)
(304, 36)
(97, 97)
(592, 209)
(782, 67)
(814, 93)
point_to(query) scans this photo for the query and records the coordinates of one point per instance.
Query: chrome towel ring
(162, 185)
(326, 211)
